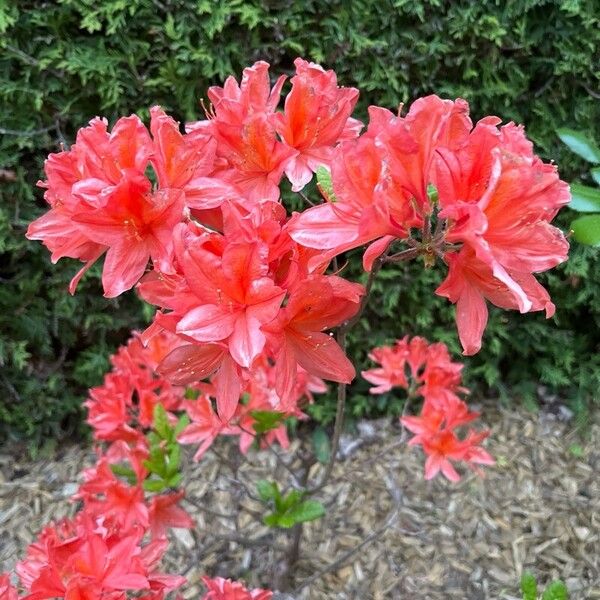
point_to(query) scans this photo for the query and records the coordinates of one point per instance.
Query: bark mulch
(387, 533)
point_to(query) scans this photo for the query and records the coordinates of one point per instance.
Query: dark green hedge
(63, 63)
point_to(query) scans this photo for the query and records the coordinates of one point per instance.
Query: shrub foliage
(62, 63)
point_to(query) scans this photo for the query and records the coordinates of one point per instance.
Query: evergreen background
(61, 63)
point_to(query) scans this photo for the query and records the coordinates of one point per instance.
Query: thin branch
(278, 457)
(30, 60)
(344, 557)
(591, 92)
(306, 198)
(404, 255)
(341, 395)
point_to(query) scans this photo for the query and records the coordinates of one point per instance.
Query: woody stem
(342, 333)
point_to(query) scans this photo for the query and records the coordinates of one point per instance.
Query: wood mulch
(387, 532)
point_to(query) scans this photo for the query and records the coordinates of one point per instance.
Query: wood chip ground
(387, 533)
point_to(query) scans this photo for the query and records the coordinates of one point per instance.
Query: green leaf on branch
(266, 420)
(595, 173)
(182, 423)
(164, 457)
(161, 422)
(309, 510)
(289, 510)
(584, 198)
(121, 470)
(586, 230)
(557, 590)
(580, 144)
(191, 394)
(267, 490)
(155, 485)
(528, 586)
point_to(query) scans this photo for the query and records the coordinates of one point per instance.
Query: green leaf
(321, 444)
(155, 485)
(191, 394)
(324, 184)
(124, 471)
(595, 172)
(580, 144)
(584, 198)
(576, 450)
(161, 422)
(266, 420)
(309, 510)
(267, 490)
(557, 590)
(528, 586)
(174, 460)
(174, 481)
(291, 500)
(182, 423)
(271, 520)
(586, 230)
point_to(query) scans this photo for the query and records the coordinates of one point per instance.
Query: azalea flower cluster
(245, 296)
(490, 197)
(426, 370)
(115, 541)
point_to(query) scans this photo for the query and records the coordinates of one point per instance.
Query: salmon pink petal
(320, 355)
(298, 172)
(471, 319)
(449, 471)
(229, 388)
(123, 268)
(323, 227)
(247, 340)
(375, 250)
(207, 323)
(433, 464)
(190, 363)
(77, 278)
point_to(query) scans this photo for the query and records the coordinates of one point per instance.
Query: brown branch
(341, 395)
(391, 518)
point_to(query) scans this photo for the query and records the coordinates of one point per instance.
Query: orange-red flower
(499, 199)
(315, 119)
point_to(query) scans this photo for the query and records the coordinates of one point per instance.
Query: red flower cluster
(244, 298)
(259, 396)
(86, 559)
(496, 200)
(7, 590)
(225, 589)
(426, 370)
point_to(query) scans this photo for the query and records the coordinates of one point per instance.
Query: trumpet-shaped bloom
(135, 225)
(242, 124)
(315, 304)
(81, 559)
(80, 180)
(315, 118)
(499, 199)
(164, 512)
(7, 590)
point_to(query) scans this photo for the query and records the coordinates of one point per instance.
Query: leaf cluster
(289, 509)
(164, 462)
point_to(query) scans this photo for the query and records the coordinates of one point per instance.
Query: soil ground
(387, 532)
